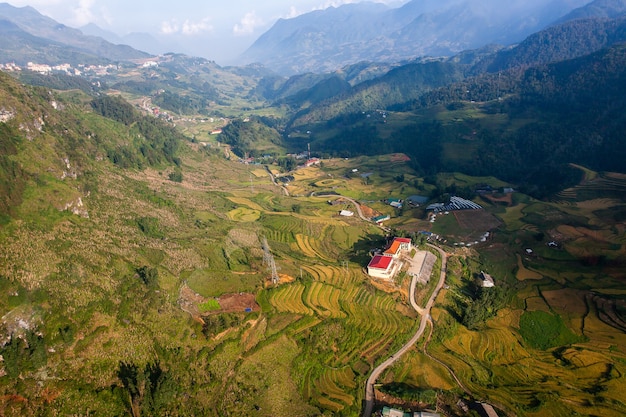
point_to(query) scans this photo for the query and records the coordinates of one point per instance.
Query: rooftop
(380, 262)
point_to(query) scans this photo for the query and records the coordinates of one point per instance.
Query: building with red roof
(385, 265)
(381, 266)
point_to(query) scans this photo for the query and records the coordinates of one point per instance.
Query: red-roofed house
(385, 265)
(381, 266)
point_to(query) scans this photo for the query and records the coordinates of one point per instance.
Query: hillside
(519, 125)
(143, 210)
(132, 257)
(411, 80)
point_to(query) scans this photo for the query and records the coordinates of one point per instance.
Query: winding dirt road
(425, 318)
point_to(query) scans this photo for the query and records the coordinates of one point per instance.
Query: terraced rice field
(244, 214)
(288, 299)
(371, 325)
(311, 248)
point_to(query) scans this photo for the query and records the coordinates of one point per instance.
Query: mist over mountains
(328, 39)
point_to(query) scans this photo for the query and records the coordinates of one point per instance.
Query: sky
(217, 30)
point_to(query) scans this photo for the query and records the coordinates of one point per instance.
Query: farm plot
(331, 385)
(419, 370)
(334, 275)
(524, 273)
(288, 298)
(246, 202)
(311, 248)
(324, 299)
(244, 214)
(377, 330)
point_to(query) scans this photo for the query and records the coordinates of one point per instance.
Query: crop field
(524, 273)
(244, 214)
(572, 286)
(246, 202)
(418, 370)
(104, 290)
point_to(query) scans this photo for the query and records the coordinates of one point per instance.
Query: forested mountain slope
(410, 81)
(523, 125)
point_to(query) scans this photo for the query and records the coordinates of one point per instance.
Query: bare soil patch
(477, 220)
(232, 303)
(499, 199)
(368, 211)
(189, 301)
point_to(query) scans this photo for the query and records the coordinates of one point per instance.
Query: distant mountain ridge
(329, 39)
(410, 81)
(33, 36)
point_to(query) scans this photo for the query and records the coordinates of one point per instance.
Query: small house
(486, 280)
(346, 213)
(380, 219)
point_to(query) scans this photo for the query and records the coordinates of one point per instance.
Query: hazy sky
(214, 29)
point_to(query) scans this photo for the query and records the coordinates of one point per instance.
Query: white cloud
(187, 28)
(82, 13)
(293, 12)
(193, 28)
(248, 24)
(169, 27)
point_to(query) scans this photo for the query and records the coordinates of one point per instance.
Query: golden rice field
(244, 214)
(419, 370)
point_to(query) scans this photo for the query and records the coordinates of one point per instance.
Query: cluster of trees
(12, 176)
(181, 104)
(217, 323)
(58, 81)
(147, 391)
(243, 136)
(25, 352)
(155, 141)
(484, 305)
(409, 393)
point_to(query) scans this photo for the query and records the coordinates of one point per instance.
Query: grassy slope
(74, 278)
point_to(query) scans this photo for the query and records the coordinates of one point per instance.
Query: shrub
(543, 330)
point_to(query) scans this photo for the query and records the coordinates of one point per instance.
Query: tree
(149, 276)
(148, 391)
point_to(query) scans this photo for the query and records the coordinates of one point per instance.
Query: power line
(268, 260)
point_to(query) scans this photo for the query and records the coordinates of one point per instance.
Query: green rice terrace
(132, 291)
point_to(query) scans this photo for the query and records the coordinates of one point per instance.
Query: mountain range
(27, 35)
(327, 39)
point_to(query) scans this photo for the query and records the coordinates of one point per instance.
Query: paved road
(425, 313)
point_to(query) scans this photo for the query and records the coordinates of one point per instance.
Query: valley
(179, 238)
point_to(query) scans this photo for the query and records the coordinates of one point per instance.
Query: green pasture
(213, 283)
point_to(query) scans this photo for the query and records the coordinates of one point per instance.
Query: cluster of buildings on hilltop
(65, 68)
